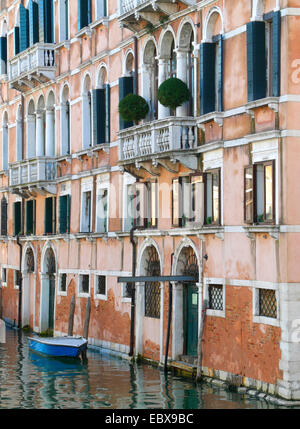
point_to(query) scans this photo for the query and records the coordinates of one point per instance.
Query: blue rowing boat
(58, 346)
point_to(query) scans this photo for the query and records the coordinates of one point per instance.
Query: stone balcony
(160, 143)
(36, 65)
(33, 176)
(138, 14)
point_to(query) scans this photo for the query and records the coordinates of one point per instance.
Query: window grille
(152, 289)
(18, 277)
(128, 290)
(215, 294)
(63, 282)
(101, 285)
(267, 303)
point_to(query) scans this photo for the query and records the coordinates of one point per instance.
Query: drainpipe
(169, 319)
(132, 321)
(136, 66)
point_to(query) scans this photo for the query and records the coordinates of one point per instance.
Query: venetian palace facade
(208, 190)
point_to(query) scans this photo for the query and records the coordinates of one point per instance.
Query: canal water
(32, 381)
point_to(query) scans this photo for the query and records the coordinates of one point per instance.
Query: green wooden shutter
(54, 216)
(29, 217)
(64, 214)
(220, 47)
(33, 22)
(107, 113)
(276, 53)
(3, 216)
(68, 212)
(207, 77)
(99, 115)
(3, 55)
(125, 88)
(17, 217)
(83, 13)
(24, 28)
(16, 40)
(46, 21)
(256, 60)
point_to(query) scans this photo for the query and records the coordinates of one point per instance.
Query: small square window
(215, 294)
(128, 290)
(84, 283)
(17, 278)
(267, 303)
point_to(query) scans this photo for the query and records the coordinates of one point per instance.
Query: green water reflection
(28, 380)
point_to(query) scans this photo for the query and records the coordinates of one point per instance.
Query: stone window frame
(255, 304)
(215, 281)
(79, 284)
(4, 283)
(99, 296)
(59, 291)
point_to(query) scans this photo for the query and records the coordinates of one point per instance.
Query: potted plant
(173, 92)
(133, 108)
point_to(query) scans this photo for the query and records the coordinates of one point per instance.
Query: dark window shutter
(276, 53)
(220, 47)
(46, 21)
(30, 217)
(256, 60)
(99, 115)
(64, 214)
(3, 216)
(107, 113)
(125, 88)
(48, 215)
(83, 13)
(33, 22)
(3, 55)
(16, 40)
(89, 13)
(207, 80)
(17, 217)
(24, 28)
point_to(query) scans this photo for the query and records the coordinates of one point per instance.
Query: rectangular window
(129, 207)
(4, 276)
(4, 216)
(127, 290)
(84, 13)
(215, 297)
(30, 217)
(17, 278)
(146, 204)
(50, 215)
(63, 282)
(102, 210)
(86, 212)
(152, 299)
(212, 197)
(267, 303)
(84, 283)
(100, 285)
(64, 214)
(259, 193)
(187, 200)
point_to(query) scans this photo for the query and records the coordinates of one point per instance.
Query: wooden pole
(200, 338)
(87, 318)
(0, 302)
(71, 317)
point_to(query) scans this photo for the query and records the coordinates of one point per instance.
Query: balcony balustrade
(164, 141)
(35, 65)
(136, 14)
(33, 176)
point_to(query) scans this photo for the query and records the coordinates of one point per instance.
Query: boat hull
(56, 350)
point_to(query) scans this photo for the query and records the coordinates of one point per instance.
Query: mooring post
(2, 331)
(71, 316)
(86, 327)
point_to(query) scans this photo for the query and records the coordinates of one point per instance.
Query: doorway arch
(28, 287)
(48, 277)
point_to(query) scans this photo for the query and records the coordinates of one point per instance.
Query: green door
(51, 301)
(191, 320)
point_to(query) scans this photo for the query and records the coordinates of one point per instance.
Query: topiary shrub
(133, 108)
(173, 93)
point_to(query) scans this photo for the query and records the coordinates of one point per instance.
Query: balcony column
(40, 133)
(163, 63)
(181, 72)
(50, 136)
(31, 136)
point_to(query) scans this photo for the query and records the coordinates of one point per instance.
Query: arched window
(19, 140)
(3, 48)
(86, 114)
(31, 130)
(150, 78)
(167, 66)
(5, 142)
(65, 134)
(50, 125)
(40, 127)
(101, 109)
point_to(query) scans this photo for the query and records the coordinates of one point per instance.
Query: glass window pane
(175, 202)
(216, 211)
(260, 192)
(248, 194)
(208, 219)
(269, 192)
